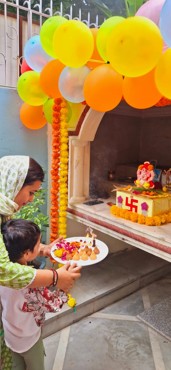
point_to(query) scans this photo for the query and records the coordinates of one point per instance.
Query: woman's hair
(35, 173)
(19, 236)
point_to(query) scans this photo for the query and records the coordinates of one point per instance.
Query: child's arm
(46, 249)
(19, 276)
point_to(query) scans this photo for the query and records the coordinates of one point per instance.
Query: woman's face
(26, 194)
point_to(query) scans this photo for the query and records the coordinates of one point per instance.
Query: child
(24, 310)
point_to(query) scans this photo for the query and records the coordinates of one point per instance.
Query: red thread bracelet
(55, 277)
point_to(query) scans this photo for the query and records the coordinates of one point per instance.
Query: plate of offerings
(83, 251)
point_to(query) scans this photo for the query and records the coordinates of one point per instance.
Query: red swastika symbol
(131, 204)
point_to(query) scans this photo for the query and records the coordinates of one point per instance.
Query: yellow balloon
(163, 74)
(134, 46)
(104, 32)
(29, 90)
(73, 43)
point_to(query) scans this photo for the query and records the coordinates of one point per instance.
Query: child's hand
(45, 250)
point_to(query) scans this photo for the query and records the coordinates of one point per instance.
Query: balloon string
(97, 61)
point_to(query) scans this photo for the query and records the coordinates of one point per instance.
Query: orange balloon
(103, 88)
(95, 60)
(32, 117)
(49, 78)
(141, 92)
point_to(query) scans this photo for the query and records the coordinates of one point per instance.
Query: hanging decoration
(59, 170)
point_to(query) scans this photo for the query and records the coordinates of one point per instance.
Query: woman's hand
(67, 275)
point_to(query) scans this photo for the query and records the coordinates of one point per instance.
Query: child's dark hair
(19, 236)
(35, 173)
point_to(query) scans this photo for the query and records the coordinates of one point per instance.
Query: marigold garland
(59, 170)
(141, 219)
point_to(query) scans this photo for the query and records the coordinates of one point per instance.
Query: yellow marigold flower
(149, 221)
(63, 182)
(58, 252)
(62, 220)
(63, 126)
(64, 147)
(63, 191)
(71, 301)
(163, 219)
(127, 215)
(134, 217)
(141, 219)
(62, 231)
(64, 111)
(168, 217)
(64, 152)
(63, 104)
(62, 185)
(63, 214)
(64, 132)
(164, 189)
(157, 220)
(63, 173)
(64, 160)
(62, 203)
(122, 212)
(64, 140)
(113, 209)
(64, 166)
(146, 185)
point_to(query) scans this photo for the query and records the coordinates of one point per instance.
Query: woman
(20, 178)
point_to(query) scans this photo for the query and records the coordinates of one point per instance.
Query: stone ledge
(107, 282)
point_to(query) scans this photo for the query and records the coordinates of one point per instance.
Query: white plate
(100, 245)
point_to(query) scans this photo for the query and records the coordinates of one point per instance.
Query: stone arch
(79, 158)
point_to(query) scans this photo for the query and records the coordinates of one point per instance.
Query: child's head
(22, 240)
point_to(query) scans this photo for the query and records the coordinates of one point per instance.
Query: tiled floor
(113, 338)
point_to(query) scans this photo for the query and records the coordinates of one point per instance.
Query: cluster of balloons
(125, 58)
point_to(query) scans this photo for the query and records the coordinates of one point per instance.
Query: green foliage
(33, 211)
(132, 6)
(103, 8)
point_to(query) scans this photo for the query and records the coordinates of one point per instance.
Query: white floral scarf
(13, 171)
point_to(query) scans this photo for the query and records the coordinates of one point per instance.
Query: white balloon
(71, 82)
(34, 54)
